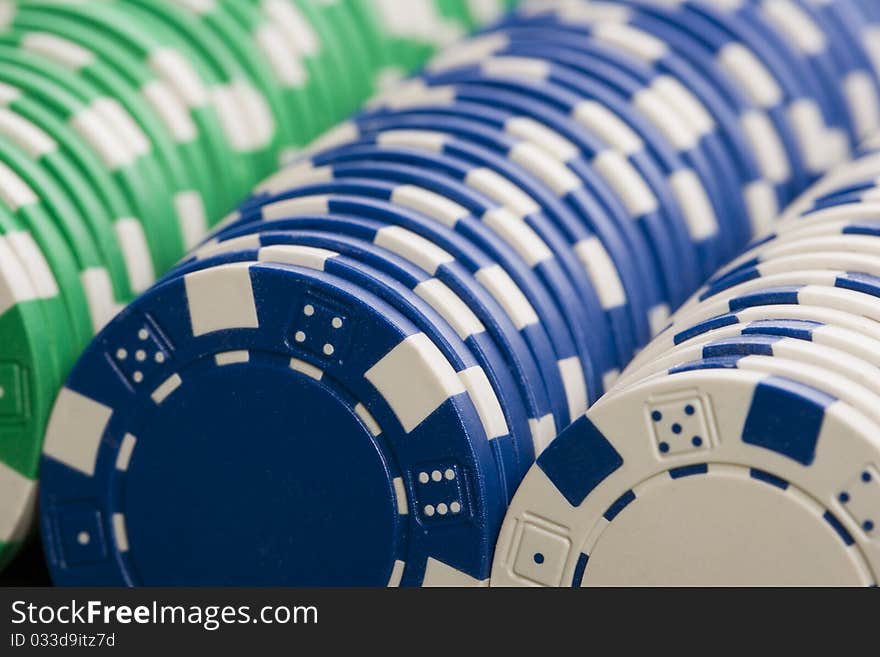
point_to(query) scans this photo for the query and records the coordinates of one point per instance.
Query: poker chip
(128, 129)
(791, 328)
(349, 297)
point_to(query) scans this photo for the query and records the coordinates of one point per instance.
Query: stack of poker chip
(742, 445)
(347, 381)
(128, 129)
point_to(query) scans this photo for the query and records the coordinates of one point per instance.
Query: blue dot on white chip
(689, 409)
(664, 447)
(539, 558)
(676, 428)
(656, 416)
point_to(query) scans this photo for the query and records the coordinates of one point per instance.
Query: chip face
(721, 510)
(173, 365)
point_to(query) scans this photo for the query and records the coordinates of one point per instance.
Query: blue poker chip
(602, 283)
(435, 275)
(474, 357)
(751, 25)
(672, 143)
(769, 132)
(849, 27)
(848, 88)
(556, 221)
(642, 193)
(794, 93)
(669, 239)
(469, 201)
(463, 302)
(588, 201)
(534, 205)
(197, 405)
(548, 96)
(627, 177)
(698, 198)
(703, 451)
(539, 99)
(499, 268)
(636, 52)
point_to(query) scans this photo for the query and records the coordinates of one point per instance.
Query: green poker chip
(294, 47)
(44, 152)
(93, 212)
(23, 203)
(127, 160)
(102, 302)
(251, 126)
(287, 71)
(415, 30)
(367, 28)
(126, 228)
(99, 58)
(343, 93)
(103, 82)
(29, 380)
(354, 55)
(183, 74)
(231, 28)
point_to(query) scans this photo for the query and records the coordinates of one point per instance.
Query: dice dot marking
(696, 441)
(676, 428)
(300, 336)
(138, 377)
(866, 477)
(664, 447)
(121, 354)
(656, 416)
(328, 349)
(689, 409)
(450, 474)
(539, 558)
(83, 538)
(423, 477)
(429, 510)
(455, 507)
(309, 310)
(336, 322)
(140, 355)
(844, 497)
(143, 334)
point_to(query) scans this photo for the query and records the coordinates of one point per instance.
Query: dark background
(28, 568)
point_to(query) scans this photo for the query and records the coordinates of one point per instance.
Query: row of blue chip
(346, 384)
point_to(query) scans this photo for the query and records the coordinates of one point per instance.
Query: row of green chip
(128, 128)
